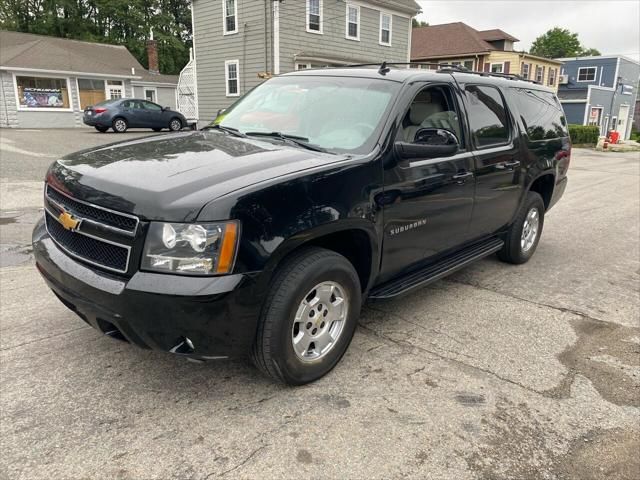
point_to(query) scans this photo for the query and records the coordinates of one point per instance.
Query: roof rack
(384, 68)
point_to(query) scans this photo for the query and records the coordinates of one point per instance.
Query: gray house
(239, 43)
(600, 91)
(46, 82)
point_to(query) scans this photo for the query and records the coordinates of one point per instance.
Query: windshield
(334, 113)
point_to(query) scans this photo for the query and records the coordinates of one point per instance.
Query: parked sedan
(121, 114)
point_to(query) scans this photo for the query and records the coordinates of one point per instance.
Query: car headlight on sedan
(191, 248)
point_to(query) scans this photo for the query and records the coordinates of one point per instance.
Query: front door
(623, 118)
(427, 203)
(497, 159)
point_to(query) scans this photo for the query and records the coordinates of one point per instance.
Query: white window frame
(42, 109)
(498, 63)
(346, 33)
(595, 74)
(122, 88)
(317, 32)
(104, 82)
(541, 70)
(553, 76)
(226, 77)
(525, 66)
(382, 15)
(224, 17)
(155, 94)
(599, 117)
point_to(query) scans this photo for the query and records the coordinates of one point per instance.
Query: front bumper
(196, 316)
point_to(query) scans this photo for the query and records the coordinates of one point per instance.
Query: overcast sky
(613, 27)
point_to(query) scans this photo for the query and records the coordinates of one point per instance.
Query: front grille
(93, 212)
(91, 249)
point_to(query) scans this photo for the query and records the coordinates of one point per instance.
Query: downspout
(276, 37)
(266, 47)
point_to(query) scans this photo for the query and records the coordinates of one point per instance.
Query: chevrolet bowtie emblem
(68, 222)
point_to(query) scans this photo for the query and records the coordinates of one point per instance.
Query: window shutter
(506, 67)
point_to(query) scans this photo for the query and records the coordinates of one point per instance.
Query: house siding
(255, 55)
(574, 113)
(332, 44)
(165, 96)
(212, 49)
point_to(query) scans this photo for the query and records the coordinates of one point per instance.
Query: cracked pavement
(496, 372)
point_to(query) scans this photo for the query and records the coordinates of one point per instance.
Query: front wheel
(175, 124)
(523, 236)
(309, 317)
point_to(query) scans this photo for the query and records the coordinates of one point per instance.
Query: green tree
(121, 22)
(415, 23)
(558, 43)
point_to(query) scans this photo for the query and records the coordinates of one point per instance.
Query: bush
(584, 134)
(635, 135)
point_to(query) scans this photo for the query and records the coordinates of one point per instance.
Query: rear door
(428, 202)
(497, 152)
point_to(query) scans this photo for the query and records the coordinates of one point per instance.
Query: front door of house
(623, 118)
(115, 89)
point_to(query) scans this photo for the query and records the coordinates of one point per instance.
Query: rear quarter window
(541, 114)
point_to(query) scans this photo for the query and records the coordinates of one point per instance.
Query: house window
(353, 22)
(385, 29)
(468, 64)
(115, 89)
(314, 16)
(91, 92)
(539, 74)
(497, 67)
(587, 74)
(42, 93)
(595, 116)
(150, 94)
(524, 72)
(230, 16)
(232, 69)
(552, 76)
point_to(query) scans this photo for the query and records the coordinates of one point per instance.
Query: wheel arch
(543, 184)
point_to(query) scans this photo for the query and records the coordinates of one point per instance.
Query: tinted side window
(487, 116)
(541, 114)
(151, 106)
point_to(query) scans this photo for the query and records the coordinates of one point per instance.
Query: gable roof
(452, 39)
(40, 52)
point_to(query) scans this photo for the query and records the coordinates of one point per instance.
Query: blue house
(600, 91)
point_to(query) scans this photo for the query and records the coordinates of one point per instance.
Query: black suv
(265, 232)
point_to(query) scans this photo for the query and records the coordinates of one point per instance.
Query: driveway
(519, 372)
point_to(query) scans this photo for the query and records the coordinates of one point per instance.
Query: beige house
(484, 51)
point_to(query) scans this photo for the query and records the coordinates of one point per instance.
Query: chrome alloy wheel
(319, 321)
(530, 230)
(120, 125)
(175, 125)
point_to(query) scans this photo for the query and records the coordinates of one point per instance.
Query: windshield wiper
(295, 139)
(231, 130)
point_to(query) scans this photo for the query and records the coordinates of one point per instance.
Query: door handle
(508, 165)
(462, 177)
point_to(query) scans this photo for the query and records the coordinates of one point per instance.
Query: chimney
(152, 55)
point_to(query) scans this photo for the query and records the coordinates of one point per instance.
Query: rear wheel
(119, 125)
(175, 124)
(309, 317)
(523, 236)
(101, 129)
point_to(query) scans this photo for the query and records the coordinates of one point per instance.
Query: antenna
(383, 70)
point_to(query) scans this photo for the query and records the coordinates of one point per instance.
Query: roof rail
(384, 68)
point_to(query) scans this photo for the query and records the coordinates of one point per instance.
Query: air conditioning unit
(563, 79)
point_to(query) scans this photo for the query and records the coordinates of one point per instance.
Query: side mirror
(428, 143)
(167, 108)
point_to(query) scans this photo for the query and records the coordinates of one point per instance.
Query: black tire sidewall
(515, 254)
(293, 369)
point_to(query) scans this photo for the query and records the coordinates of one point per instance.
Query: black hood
(171, 177)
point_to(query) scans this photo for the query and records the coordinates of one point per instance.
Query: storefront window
(91, 92)
(41, 92)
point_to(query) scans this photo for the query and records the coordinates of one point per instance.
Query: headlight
(191, 249)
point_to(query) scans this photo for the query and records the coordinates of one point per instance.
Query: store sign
(42, 98)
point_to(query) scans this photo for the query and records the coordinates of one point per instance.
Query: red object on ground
(614, 136)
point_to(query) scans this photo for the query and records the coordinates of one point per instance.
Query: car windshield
(338, 114)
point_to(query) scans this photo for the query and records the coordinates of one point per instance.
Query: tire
(175, 124)
(102, 129)
(290, 297)
(119, 125)
(156, 129)
(518, 247)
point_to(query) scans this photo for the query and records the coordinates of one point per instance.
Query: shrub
(635, 135)
(584, 134)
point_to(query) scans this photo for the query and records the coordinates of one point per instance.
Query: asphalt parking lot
(498, 372)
